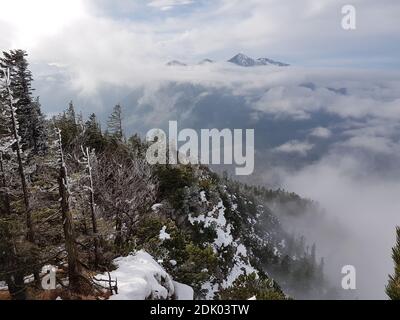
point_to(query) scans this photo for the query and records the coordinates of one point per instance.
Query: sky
(106, 41)
(327, 127)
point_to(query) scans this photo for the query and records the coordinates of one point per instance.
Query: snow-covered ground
(140, 277)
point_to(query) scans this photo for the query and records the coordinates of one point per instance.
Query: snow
(210, 289)
(140, 277)
(240, 268)
(156, 206)
(241, 249)
(183, 291)
(216, 219)
(163, 234)
(173, 263)
(3, 286)
(203, 197)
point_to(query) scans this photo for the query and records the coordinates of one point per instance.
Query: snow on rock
(140, 277)
(163, 234)
(183, 291)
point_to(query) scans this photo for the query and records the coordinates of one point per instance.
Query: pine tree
(30, 119)
(115, 123)
(71, 113)
(11, 143)
(93, 136)
(9, 101)
(38, 128)
(393, 287)
(70, 130)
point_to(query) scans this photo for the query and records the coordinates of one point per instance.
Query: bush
(247, 286)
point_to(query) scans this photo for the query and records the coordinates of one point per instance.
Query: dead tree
(126, 187)
(76, 282)
(96, 238)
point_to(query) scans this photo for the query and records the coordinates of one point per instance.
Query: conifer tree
(115, 123)
(10, 142)
(30, 119)
(93, 136)
(38, 140)
(16, 143)
(393, 287)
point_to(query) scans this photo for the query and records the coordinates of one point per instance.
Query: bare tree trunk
(74, 270)
(97, 258)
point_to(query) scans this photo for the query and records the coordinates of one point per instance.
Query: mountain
(206, 61)
(267, 62)
(243, 60)
(246, 61)
(176, 63)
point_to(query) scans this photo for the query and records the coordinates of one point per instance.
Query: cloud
(101, 42)
(372, 143)
(168, 4)
(294, 146)
(365, 204)
(321, 132)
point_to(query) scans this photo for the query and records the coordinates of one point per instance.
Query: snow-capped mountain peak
(246, 61)
(243, 60)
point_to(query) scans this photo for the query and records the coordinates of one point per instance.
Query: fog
(361, 210)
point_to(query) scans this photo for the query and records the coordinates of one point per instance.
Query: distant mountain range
(240, 59)
(246, 61)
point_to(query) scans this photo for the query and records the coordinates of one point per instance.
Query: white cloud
(168, 4)
(294, 146)
(321, 132)
(96, 39)
(372, 144)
